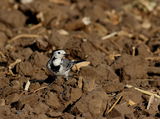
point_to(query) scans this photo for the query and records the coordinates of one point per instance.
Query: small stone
(125, 110)
(24, 68)
(76, 93)
(54, 114)
(22, 54)
(91, 105)
(77, 117)
(16, 84)
(38, 59)
(31, 99)
(89, 85)
(53, 100)
(12, 98)
(88, 78)
(13, 18)
(3, 39)
(40, 108)
(68, 116)
(42, 116)
(114, 114)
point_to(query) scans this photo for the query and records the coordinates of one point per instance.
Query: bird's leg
(66, 76)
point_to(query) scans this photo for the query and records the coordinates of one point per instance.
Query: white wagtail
(58, 65)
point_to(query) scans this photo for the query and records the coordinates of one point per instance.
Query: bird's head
(59, 54)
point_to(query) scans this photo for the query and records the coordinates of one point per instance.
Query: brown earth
(121, 39)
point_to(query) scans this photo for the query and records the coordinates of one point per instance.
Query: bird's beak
(66, 55)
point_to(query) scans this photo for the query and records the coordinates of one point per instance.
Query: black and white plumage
(60, 66)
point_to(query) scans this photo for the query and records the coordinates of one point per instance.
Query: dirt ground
(121, 39)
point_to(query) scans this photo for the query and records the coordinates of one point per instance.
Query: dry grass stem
(35, 26)
(63, 32)
(112, 56)
(153, 58)
(100, 48)
(143, 37)
(145, 79)
(77, 66)
(1, 54)
(13, 64)
(151, 99)
(133, 50)
(114, 104)
(131, 103)
(143, 91)
(117, 45)
(40, 89)
(24, 36)
(109, 35)
(80, 82)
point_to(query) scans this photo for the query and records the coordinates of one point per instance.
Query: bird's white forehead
(60, 52)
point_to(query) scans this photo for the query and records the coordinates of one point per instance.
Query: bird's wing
(67, 64)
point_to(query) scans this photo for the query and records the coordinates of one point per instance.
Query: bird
(59, 65)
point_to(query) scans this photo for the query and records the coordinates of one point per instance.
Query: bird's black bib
(55, 68)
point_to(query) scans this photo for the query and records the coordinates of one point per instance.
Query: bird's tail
(76, 62)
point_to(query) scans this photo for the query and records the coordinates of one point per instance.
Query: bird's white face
(59, 54)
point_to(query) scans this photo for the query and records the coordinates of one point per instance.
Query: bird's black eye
(58, 52)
